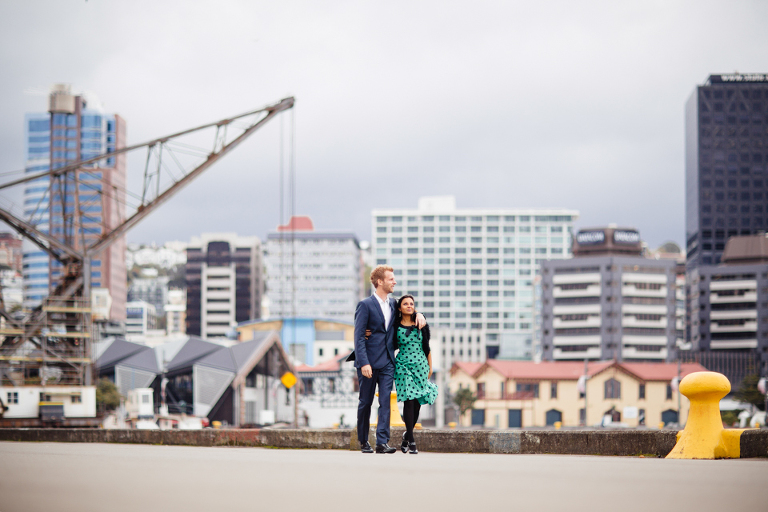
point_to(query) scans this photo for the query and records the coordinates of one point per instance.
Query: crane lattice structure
(55, 337)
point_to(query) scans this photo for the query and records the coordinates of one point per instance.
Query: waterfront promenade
(118, 477)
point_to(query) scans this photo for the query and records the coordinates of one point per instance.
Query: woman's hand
(367, 333)
(430, 372)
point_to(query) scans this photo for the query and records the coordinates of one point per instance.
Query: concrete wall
(654, 443)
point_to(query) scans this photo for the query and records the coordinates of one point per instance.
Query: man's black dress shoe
(384, 448)
(366, 447)
(413, 449)
(404, 444)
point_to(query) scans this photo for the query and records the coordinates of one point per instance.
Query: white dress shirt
(385, 309)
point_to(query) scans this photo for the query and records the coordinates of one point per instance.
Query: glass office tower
(75, 128)
(726, 125)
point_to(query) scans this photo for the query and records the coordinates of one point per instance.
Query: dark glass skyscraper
(726, 155)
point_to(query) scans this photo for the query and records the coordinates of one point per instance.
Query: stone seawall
(654, 443)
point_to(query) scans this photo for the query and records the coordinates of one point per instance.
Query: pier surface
(121, 477)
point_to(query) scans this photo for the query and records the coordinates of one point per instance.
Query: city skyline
(513, 106)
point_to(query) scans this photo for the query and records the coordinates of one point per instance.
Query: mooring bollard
(704, 436)
(395, 419)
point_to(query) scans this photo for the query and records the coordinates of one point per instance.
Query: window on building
(669, 392)
(523, 387)
(641, 392)
(612, 389)
(553, 390)
(13, 397)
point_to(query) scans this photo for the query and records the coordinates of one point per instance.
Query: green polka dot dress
(412, 369)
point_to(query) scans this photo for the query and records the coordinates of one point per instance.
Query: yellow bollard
(558, 425)
(452, 424)
(661, 425)
(395, 420)
(704, 436)
(216, 424)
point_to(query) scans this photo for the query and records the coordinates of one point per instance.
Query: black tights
(410, 417)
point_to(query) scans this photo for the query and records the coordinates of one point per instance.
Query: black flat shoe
(384, 448)
(404, 444)
(366, 447)
(412, 449)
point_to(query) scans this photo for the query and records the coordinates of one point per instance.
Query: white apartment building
(472, 268)
(224, 283)
(312, 274)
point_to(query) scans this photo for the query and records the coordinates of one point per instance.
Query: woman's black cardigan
(424, 337)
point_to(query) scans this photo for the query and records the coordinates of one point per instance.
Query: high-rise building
(224, 283)
(313, 274)
(473, 268)
(75, 128)
(726, 157)
(608, 301)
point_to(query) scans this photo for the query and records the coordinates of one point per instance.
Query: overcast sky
(502, 104)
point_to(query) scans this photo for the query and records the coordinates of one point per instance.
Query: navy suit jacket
(379, 349)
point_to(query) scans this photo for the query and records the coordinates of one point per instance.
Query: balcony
(643, 309)
(726, 296)
(733, 314)
(747, 326)
(592, 290)
(587, 309)
(590, 353)
(576, 340)
(635, 339)
(747, 284)
(632, 290)
(732, 344)
(634, 353)
(590, 321)
(632, 321)
(576, 279)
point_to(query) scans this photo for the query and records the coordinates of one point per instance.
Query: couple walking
(383, 325)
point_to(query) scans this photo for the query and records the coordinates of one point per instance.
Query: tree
(465, 399)
(107, 396)
(749, 393)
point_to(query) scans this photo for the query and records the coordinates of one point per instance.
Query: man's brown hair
(378, 273)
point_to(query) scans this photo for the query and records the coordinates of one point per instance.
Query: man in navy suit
(375, 356)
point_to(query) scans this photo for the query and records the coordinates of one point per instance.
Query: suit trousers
(384, 377)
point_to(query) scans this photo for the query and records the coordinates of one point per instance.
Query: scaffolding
(57, 354)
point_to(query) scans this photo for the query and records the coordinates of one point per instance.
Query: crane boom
(75, 253)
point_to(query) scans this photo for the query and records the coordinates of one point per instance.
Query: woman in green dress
(413, 368)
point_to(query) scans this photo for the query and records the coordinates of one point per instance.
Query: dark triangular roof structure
(193, 350)
(118, 351)
(220, 359)
(144, 360)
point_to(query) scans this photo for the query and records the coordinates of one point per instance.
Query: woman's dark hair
(399, 314)
(398, 320)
